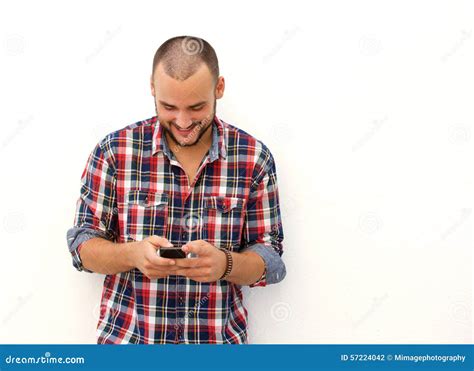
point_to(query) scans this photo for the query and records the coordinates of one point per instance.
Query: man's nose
(183, 121)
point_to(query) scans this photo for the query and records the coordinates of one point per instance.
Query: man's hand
(209, 266)
(148, 261)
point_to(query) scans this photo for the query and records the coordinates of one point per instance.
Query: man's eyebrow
(191, 106)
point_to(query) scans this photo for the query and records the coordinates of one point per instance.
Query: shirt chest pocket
(146, 213)
(223, 221)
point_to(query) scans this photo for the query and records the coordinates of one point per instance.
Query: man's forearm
(103, 256)
(247, 268)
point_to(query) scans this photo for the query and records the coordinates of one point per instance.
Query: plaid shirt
(133, 187)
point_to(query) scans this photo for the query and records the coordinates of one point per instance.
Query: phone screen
(172, 253)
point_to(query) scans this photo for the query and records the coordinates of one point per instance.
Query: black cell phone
(172, 252)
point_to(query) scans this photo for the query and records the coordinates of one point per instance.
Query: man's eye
(197, 108)
(168, 108)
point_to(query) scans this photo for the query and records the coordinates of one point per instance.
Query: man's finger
(192, 272)
(161, 272)
(189, 262)
(197, 247)
(158, 241)
(161, 262)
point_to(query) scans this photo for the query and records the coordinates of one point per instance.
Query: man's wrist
(130, 253)
(248, 266)
(229, 263)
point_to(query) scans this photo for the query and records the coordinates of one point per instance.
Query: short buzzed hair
(182, 56)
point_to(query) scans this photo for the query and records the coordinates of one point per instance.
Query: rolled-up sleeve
(263, 230)
(96, 209)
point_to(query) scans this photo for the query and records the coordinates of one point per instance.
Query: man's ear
(220, 86)
(152, 86)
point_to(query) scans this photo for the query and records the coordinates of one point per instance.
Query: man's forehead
(197, 87)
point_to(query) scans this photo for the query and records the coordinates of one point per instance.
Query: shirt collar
(218, 144)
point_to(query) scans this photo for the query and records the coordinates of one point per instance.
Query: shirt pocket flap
(223, 204)
(146, 198)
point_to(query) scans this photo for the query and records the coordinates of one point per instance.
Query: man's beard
(200, 127)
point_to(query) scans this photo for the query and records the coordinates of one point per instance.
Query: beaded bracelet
(229, 263)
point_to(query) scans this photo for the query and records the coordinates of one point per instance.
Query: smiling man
(184, 179)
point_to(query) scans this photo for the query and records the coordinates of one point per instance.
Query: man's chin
(190, 139)
(184, 141)
(187, 142)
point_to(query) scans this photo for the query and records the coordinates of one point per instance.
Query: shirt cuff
(76, 236)
(275, 269)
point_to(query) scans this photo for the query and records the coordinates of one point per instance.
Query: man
(184, 179)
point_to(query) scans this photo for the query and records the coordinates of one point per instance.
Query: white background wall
(367, 107)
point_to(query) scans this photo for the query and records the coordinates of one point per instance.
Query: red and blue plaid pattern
(133, 187)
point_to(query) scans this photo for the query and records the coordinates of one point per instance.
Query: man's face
(186, 109)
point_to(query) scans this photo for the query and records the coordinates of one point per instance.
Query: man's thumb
(158, 241)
